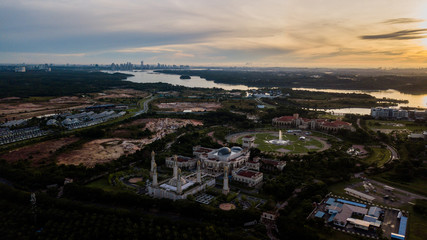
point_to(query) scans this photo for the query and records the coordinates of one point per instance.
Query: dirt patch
(19, 110)
(99, 151)
(135, 180)
(192, 106)
(39, 151)
(121, 93)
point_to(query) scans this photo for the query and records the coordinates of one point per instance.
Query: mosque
(179, 186)
(214, 160)
(210, 164)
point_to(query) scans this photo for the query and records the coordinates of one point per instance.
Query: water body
(417, 101)
(195, 81)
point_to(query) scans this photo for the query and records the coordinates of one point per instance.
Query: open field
(103, 184)
(39, 151)
(106, 150)
(28, 108)
(416, 186)
(295, 146)
(379, 156)
(99, 151)
(193, 106)
(121, 93)
(417, 226)
(395, 125)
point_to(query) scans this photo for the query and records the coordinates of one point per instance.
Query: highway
(145, 106)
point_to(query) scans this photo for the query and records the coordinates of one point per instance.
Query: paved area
(204, 198)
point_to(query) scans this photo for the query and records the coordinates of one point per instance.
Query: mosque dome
(174, 182)
(224, 151)
(236, 149)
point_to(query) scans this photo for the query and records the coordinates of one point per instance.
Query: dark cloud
(400, 35)
(402, 20)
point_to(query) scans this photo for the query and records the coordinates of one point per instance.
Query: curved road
(394, 153)
(145, 106)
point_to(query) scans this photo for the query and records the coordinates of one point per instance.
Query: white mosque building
(179, 186)
(214, 160)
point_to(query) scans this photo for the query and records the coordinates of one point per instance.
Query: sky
(268, 33)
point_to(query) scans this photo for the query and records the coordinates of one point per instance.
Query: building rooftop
(360, 194)
(248, 173)
(319, 214)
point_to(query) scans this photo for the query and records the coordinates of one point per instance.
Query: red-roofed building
(304, 123)
(253, 164)
(249, 177)
(181, 162)
(248, 141)
(272, 165)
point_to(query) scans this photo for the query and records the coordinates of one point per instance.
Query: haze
(292, 33)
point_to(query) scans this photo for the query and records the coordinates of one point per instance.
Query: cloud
(400, 35)
(402, 20)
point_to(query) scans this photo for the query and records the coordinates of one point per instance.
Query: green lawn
(379, 156)
(104, 185)
(295, 146)
(417, 226)
(416, 186)
(338, 188)
(398, 125)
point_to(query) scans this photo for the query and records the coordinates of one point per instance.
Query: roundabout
(289, 142)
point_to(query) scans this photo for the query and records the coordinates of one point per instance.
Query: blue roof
(397, 236)
(374, 211)
(330, 201)
(402, 227)
(369, 218)
(335, 204)
(319, 214)
(331, 218)
(351, 203)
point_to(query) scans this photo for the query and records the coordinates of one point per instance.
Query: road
(412, 195)
(145, 106)
(394, 153)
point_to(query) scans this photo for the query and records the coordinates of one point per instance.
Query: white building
(388, 113)
(214, 160)
(181, 162)
(248, 141)
(249, 177)
(179, 186)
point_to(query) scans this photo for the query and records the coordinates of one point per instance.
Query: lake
(418, 101)
(195, 81)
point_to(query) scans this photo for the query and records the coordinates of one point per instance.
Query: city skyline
(233, 33)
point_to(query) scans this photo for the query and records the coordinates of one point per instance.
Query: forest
(405, 84)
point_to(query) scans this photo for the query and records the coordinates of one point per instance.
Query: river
(195, 81)
(418, 101)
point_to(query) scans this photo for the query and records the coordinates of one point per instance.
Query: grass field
(417, 227)
(379, 156)
(396, 125)
(338, 188)
(104, 185)
(295, 146)
(416, 186)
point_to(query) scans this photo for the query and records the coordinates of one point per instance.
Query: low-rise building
(248, 177)
(181, 161)
(359, 195)
(272, 165)
(305, 123)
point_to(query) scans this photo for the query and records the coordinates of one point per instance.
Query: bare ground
(39, 151)
(99, 151)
